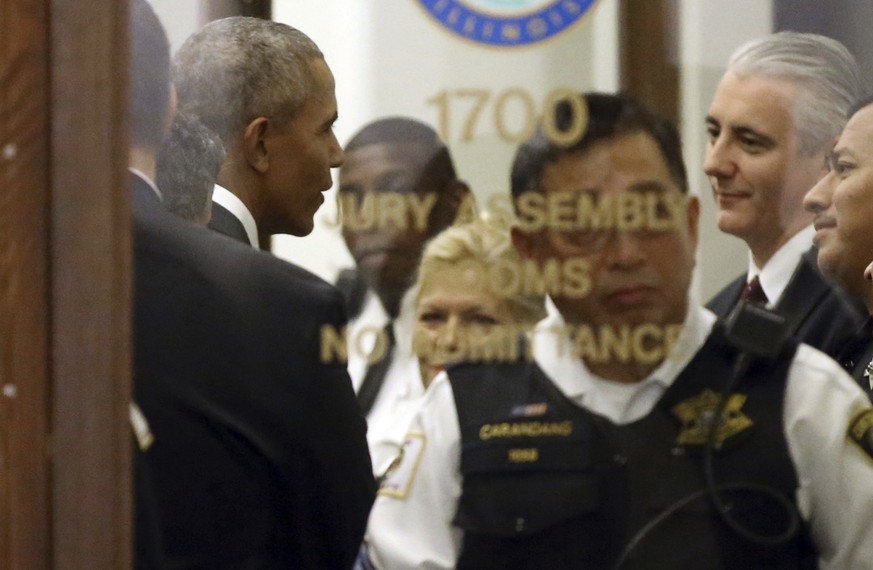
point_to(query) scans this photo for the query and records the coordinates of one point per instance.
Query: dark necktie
(753, 293)
(375, 374)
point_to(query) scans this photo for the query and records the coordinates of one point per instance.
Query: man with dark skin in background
(398, 188)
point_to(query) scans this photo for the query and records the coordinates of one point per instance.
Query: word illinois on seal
(507, 22)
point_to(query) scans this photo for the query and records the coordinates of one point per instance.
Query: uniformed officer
(604, 451)
(842, 202)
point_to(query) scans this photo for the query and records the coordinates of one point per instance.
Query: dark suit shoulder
(819, 313)
(353, 290)
(224, 262)
(225, 223)
(723, 301)
(254, 434)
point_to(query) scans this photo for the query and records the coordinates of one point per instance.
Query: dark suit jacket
(857, 354)
(149, 552)
(260, 458)
(226, 223)
(353, 290)
(818, 313)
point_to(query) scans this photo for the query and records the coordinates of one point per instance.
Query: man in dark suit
(259, 458)
(774, 117)
(267, 91)
(841, 202)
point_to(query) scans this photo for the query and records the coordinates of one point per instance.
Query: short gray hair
(824, 72)
(188, 163)
(237, 69)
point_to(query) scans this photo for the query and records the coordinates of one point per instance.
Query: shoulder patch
(861, 431)
(397, 479)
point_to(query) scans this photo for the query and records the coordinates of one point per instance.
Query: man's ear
(457, 192)
(254, 145)
(693, 215)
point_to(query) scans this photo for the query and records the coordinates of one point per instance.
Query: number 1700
(511, 131)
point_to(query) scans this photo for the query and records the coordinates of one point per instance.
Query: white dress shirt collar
(777, 272)
(139, 173)
(229, 201)
(620, 402)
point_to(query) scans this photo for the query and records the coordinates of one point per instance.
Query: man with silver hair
(775, 116)
(266, 89)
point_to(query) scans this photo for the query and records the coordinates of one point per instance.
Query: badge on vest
(397, 479)
(861, 431)
(697, 415)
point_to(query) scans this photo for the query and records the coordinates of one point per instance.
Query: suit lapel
(226, 223)
(144, 197)
(725, 300)
(805, 291)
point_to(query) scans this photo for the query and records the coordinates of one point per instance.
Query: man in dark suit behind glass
(267, 91)
(259, 458)
(775, 115)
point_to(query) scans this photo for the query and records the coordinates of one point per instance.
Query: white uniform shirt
(402, 388)
(780, 268)
(411, 527)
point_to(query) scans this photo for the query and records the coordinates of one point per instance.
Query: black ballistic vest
(550, 485)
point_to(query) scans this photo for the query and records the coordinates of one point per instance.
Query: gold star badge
(697, 415)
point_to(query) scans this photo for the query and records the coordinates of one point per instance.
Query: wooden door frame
(90, 286)
(65, 272)
(649, 54)
(24, 285)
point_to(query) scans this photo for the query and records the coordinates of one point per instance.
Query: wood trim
(215, 9)
(649, 48)
(24, 315)
(91, 286)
